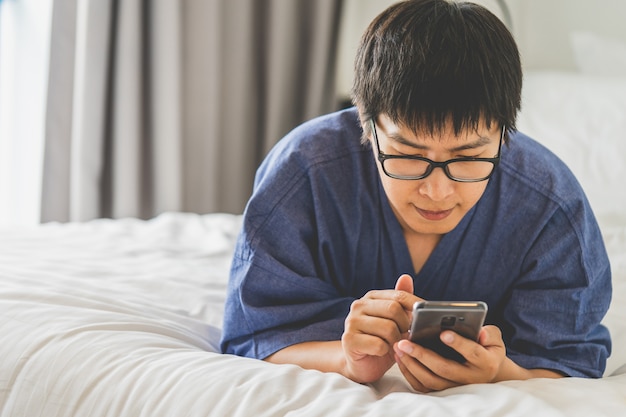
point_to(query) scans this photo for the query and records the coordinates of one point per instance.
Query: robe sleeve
(278, 293)
(555, 311)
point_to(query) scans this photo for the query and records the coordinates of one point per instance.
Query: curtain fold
(159, 105)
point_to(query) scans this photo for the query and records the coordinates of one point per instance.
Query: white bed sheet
(121, 318)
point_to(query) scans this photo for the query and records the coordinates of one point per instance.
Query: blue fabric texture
(319, 232)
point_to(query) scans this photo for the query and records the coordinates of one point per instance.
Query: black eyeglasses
(408, 167)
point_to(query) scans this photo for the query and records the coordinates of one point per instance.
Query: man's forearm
(323, 356)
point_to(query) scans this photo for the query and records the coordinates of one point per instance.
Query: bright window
(24, 52)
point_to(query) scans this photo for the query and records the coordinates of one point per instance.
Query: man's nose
(437, 186)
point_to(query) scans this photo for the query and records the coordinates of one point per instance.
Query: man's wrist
(509, 370)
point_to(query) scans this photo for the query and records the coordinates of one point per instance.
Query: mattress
(122, 318)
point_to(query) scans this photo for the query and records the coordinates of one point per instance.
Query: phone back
(430, 318)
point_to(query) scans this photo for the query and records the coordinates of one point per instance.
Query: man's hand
(486, 362)
(365, 352)
(374, 325)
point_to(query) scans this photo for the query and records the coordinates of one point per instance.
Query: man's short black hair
(425, 63)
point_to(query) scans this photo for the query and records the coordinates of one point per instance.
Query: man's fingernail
(447, 337)
(405, 347)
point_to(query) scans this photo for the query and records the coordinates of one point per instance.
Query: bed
(122, 317)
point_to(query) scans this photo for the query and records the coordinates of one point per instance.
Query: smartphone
(430, 318)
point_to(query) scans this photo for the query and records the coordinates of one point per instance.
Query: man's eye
(475, 155)
(405, 152)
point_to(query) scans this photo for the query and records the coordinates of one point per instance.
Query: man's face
(436, 204)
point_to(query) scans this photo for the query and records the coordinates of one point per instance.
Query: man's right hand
(365, 352)
(375, 323)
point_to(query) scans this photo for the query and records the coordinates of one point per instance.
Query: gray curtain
(164, 105)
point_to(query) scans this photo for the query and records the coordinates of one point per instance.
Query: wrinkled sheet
(122, 318)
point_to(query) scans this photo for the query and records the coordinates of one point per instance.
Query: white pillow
(582, 119)
(598, 55)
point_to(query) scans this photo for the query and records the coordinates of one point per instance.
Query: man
(424, 191)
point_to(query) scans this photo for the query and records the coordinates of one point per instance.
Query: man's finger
(405, 283)
(405, 298)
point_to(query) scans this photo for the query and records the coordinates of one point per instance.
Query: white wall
(357, 14)
(542, 28)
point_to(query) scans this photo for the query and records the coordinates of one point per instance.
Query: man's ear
(366, 138)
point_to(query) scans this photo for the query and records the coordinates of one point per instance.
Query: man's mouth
(434, 215)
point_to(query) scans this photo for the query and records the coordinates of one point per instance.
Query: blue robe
(319, 233)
